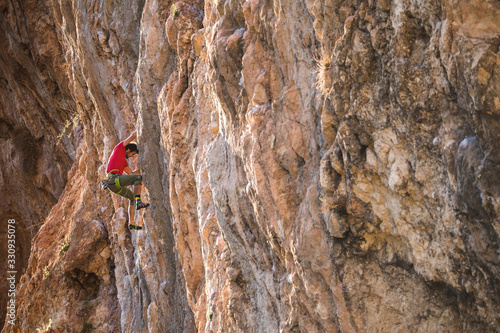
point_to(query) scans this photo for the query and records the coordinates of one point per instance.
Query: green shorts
(123, 182)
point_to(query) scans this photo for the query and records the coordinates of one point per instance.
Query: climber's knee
(138, 180)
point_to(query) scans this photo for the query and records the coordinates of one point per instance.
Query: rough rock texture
(37, 128)
(312, 166)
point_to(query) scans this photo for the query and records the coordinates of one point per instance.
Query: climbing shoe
(141, 205)
(134, 227)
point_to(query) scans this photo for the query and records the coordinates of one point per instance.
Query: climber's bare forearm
(130, 138)
(130, 172)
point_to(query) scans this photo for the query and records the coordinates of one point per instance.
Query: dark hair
(132, 147)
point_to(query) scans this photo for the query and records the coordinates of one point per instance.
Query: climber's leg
(127, 193)
(135, 180)
(131, 217)
(131, 209)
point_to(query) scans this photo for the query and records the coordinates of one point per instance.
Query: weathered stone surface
(312, 166)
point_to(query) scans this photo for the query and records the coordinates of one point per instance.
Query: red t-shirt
(117, 161)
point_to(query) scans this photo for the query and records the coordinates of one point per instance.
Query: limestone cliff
(312, 166)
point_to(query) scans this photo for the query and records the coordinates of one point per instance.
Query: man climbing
(117, 183)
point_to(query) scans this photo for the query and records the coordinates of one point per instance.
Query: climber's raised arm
(130, 138)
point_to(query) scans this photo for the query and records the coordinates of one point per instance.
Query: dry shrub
(324, 80)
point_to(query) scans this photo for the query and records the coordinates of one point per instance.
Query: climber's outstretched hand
(130, 138)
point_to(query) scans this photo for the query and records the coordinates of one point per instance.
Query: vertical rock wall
(312, 166)
(38, 127)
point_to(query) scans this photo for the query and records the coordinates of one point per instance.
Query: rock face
(311, 166)
(37, 129)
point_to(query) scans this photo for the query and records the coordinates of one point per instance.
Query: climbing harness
(112, 179)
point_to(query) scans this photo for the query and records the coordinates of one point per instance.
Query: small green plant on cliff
(46, 272)
(175, 10)
(45, 328)
(69, 126)
(65, 245)
(87, 327)
(86, 307)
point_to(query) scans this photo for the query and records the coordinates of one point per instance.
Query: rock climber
(117, 183)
